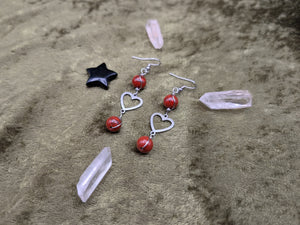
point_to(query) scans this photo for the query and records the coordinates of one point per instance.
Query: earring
(144, 143)
(114, 123)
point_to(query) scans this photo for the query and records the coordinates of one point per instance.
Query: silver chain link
(136, 91)
(167, 111)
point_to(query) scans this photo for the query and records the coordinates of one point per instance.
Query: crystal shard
(154, 34)
(93, 174)
(234, 99)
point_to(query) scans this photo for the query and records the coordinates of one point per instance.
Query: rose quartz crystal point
(154, 34)
(93, 174)
(234, 99)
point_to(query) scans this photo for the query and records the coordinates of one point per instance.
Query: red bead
(171, 101)
(139, 81)
(144, 144)
(113, 124)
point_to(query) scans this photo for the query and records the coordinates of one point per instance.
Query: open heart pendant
(133, 97)
(163, 119)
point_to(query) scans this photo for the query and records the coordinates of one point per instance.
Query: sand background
(226, 167)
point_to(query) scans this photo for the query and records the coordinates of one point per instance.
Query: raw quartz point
(234, 99)
(95, 172)
(154, 34)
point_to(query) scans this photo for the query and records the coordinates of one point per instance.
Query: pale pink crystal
(234, 99)
(93, 174)
(154, 34)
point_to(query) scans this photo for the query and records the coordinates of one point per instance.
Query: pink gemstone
(234, 99)
(93, 174)
(154, 34)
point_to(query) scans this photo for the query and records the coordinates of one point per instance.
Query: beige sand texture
(214, 167)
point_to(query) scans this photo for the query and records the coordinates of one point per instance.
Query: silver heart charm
(133, 97)
(163, 119)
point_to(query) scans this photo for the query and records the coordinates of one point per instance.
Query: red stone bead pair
(113, 123)
(145, 143)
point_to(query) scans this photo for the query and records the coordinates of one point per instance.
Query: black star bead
(100, 76)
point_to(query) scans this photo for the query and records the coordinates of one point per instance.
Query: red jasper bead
(171, 101)
(113, 124)
(144, 144)
(139, 81)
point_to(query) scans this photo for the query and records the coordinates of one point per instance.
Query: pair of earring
(145, 143)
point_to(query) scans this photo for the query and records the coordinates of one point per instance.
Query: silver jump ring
(122, 111)
(175, 90)
(152, 134)
(144, 71)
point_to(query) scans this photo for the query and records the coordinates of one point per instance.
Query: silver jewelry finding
(146, 70)
(113, 123)
(133, 97)
(176, 90)
(163, 118)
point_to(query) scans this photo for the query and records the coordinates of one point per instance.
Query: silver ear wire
(148, 59)
(176, 89)
(146, 70)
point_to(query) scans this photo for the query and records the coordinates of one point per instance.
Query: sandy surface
(227, 167)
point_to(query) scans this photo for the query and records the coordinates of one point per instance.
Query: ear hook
(176, 89)
(146, 70)
(148, 59)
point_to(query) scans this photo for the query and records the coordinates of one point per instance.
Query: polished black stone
(99, 76)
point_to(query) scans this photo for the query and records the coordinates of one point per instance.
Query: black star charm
(100, 76)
